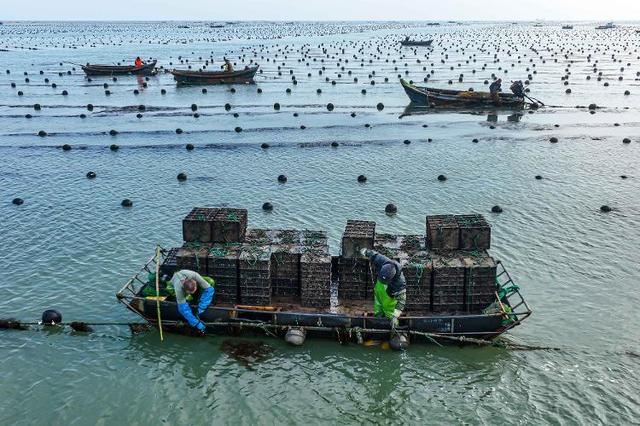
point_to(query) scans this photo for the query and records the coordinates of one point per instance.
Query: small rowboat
(416, 42)
(215, 77)
(426, 96)
(96, 69)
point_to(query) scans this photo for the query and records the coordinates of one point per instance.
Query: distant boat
(98, 69)
(608, 26)
(567, 27)
(407, 42)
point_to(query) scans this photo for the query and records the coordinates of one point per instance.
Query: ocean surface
(71, 245)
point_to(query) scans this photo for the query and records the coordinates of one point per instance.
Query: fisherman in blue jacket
(390, 291)
(187, 282)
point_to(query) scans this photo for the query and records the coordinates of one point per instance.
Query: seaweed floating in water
(246, 352)
(137, 328)
(11, 324)
(81, 327)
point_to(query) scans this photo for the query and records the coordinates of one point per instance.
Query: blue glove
(185, 311)
(205, 299)
(200, 326)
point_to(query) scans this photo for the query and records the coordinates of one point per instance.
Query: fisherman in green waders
(390, 291)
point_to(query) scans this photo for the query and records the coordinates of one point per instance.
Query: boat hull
(94, 70)
(423, 96)
(214, 77)
(416, 43)
(229, 320)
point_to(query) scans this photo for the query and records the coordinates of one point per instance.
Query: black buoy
(114, 147)
(163, 92)
(238, 129)
(37, 107)
(189, 147)
(196, 115)
(282, 178)
(626, 140)
(264, 145)
(334, 144)
(113, 132)
(362, 178)
(18, 201)
(380, 106)
(442, 178)
(391, 209)
(91, 175)
(276, 106)
(267, 207)
(496, 209)
(51, 317)
(553, 139)
(179, 131)
(227, 106)
(538, 177)
(66, 147)
(605, 209)
(407, 142)
(42, 133)
(126, 203)
(194, 107)
(330, 106)
(182, 177)
(89, 107)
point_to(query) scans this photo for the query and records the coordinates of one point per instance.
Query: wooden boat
(353, 322)
(431, 97)
(407, 42)
(96, 69)
(607, 26)
(215, 77)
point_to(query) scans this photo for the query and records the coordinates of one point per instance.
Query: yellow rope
(158, 291)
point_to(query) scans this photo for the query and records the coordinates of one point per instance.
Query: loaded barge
(285, 282)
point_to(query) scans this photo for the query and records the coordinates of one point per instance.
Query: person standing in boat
(390, 291)
(228, 66)
(187, 282)
(138, 62)
(494, 90)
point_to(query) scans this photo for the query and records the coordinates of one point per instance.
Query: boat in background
(187, 77)
(607, 26)
(407, 42)
(98, 69)
(567, 27)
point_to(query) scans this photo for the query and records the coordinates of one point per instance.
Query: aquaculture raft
(96, 69)
(431, 97)
(214, 77)
(272, 281)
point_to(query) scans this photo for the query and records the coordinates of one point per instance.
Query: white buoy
(295, 336)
